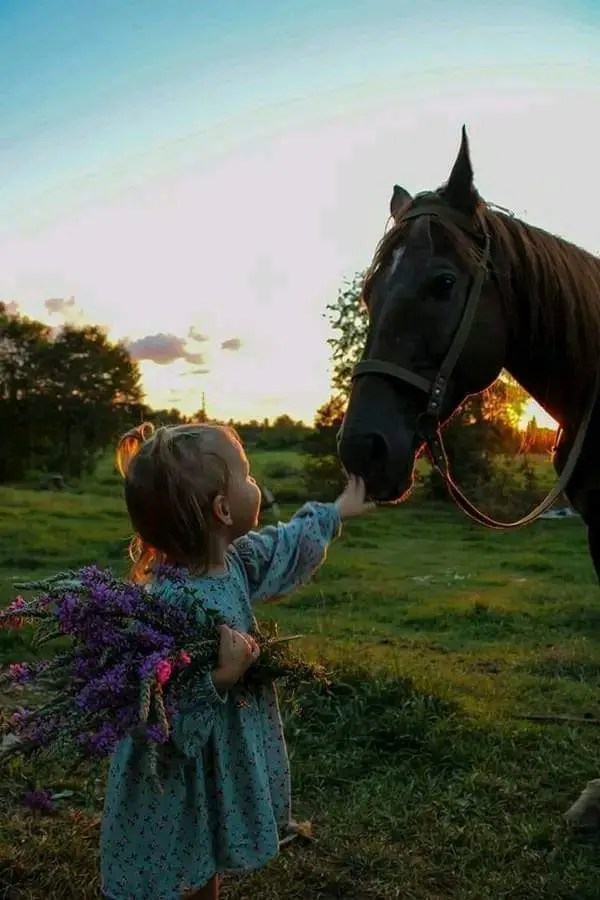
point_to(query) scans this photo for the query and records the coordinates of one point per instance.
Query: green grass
(264, 459)
(419, 781)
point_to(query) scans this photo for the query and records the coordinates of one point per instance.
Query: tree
(63, 396)
(537, 439)
(348, 318)
(200, 417)
(328, 421)
(323, 473)
(95, 386)
(21, 348)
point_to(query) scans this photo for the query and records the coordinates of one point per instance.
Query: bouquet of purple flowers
(128, 655)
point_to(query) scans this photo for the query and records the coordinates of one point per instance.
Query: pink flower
(19, 672)
(163, 671)
(17, 603)
(16, 668)
(13, 621)
(184, 658)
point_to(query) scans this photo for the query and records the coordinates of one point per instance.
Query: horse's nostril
(363, 454)
(378, 449)
(371, 454)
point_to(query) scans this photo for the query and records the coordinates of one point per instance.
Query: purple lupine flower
(83, 666)
(126, 718)
(104, 688)
(98, 634)
(121, 633)
(109, 593)
(104, 741)
(169, 616)
(87, 624)
(114, 679)
(23, 673)
(91, 573)
(147, 667)
(171, 707)
(167, 572)
(40, 800)
(91, 697)
(68, 612)
(20, 673)
(154, 639)
(156, 734)
(20, 718)
(43, 731)
(107, 600)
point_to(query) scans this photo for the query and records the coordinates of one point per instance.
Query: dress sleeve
(279, 558)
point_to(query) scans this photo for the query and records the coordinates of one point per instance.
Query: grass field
(419, 781)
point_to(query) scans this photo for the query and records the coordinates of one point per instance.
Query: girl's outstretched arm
(279, 558)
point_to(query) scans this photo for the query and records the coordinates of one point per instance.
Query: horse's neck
(548, 369)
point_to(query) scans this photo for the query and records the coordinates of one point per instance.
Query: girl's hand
(351, 501)
(237, 652)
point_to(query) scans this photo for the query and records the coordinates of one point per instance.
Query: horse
(458, 290)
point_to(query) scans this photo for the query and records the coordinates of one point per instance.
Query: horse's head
(437, 330)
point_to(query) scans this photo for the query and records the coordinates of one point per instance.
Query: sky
(199, 178)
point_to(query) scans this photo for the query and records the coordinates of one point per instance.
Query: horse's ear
(459, 191)
(400, 197)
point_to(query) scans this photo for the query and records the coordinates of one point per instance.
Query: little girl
(193, 503)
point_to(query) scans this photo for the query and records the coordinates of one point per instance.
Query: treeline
(66, 394)
(283, 433)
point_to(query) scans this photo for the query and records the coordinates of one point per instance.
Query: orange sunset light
(534, 411)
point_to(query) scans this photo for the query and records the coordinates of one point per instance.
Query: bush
(279, 468)
(294, 492)
(324, 478)
(503, 487)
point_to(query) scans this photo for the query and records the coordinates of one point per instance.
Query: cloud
(195, 335)
(67, 308)
(163, 349)
(233, 343)
(196, 372)
(10, 309)
(58, 306)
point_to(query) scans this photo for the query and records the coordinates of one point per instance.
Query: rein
(429, 420)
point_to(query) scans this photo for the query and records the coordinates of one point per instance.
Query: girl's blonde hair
(172, 476)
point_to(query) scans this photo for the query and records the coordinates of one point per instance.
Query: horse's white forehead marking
(396, 257)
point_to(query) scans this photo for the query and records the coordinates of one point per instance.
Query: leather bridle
(435, 389)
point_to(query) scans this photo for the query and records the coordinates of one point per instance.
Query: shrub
(279, 468)
(324, 477)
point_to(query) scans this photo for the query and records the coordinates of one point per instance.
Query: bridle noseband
(429, 420)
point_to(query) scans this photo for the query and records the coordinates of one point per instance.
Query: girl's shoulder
(185, 586)
(226, 592)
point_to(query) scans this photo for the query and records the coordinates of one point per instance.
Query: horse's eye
(441, 285)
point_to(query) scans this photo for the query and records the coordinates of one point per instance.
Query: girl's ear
(221, 510)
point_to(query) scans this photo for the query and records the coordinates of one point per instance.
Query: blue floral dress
(227, 790)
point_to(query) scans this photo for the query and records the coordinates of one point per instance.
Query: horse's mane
(555, 283)
(559, 281)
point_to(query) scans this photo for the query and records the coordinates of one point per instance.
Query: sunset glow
(202, 187)
(534, 411)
